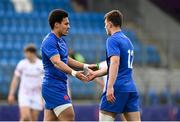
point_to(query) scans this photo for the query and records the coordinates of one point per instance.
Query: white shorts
(34, 101)
(59, 109)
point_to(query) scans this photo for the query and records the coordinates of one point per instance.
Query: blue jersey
(51, 46)
(119, 45)
(54, 87)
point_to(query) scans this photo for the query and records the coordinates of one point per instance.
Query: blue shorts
(125, 102)
(55, 95)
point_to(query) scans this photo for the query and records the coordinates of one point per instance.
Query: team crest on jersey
(66, 97)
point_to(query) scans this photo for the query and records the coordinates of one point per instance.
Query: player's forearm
(113, 71)
(75, 64)
(101, 72)
(13, 85)
(63, 67)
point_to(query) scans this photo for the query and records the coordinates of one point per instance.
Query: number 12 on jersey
(130, 58)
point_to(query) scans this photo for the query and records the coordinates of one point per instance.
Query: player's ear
(56, 24)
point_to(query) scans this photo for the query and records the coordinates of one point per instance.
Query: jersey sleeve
(50, 49)
(113, 47)
(19, 69)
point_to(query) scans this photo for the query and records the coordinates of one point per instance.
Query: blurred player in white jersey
(101, 81)
(29, 72)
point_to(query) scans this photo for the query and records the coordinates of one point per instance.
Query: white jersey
(30, 82)
(30, 75)
(103, 64)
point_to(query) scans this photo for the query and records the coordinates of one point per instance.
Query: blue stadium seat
(4, 88)
(152, 97)
(176, 97)
(165, 97)
(152, 54)
(82, 90)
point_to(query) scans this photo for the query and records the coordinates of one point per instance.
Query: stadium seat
(152, 97)
(176, 97)
(81, 90)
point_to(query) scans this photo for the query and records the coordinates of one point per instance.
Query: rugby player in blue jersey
(57, 64)
(120, 95)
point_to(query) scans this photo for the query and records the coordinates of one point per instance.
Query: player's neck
(114, 30)
(33, 60)
(56, 33)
